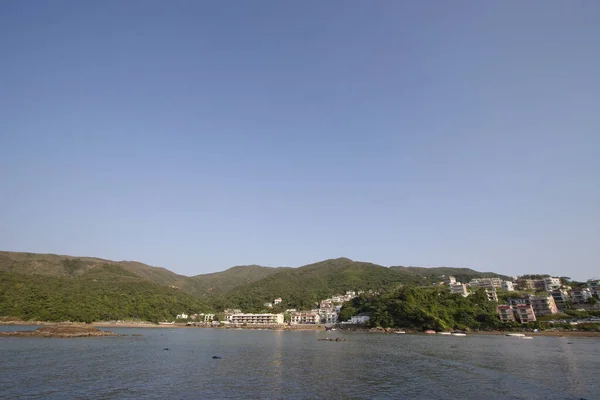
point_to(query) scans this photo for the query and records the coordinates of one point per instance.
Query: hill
(433, 274)
(246, 287)
(110, 293)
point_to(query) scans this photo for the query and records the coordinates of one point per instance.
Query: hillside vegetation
(107, 293)
(86, 288)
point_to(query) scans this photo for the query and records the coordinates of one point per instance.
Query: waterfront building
(543, 305)
(256, 319)
(525, 313)
(360, 319)
(305, 317)
(506, 313)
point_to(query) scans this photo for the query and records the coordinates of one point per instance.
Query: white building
(459, 288)
(305, 317)
(486, 283)
(449, 280)
(581, 295)
(360, 319)
(560, 296)
(256, 319)
(182, 316)
(594, 286)
(268, 305)
(328, 316)
(491, 295)
(551, 283)
(508, 286)
(277, 301)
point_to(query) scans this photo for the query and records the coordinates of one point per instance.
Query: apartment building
(305, 317)
(525, 313)
(459, 288)
(506, 313)
(594, 286)
(449, 280)
(491, 295)
(255, 319)
(581, 295)
(486, 283)
(560, 297)
(543, 305)
(551, 283)
(508, 286)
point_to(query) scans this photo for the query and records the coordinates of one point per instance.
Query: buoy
(216, 357)
(166, 348)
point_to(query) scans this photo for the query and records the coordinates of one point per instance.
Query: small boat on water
(399, 332)
(526, 337)
(459, 334)
(429, 331)
(444, 333)
(515, 334)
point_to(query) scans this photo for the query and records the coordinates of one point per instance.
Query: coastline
(104, 324)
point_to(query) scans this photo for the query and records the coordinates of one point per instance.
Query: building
(581, 295)
(594, 286)
(328, 315)
(525, 284)
(268, 305)
(305, 317)
(551, 283)
(182, 316)
(232, 311)
(459, 288)
(514, 302)
(256, 319)
(486, 283)
(506, 313)
(491, 295)
(543, 305)
(277, 301)
(560, 297)
(508, 286)
(360, 319)
(525, 313)
(449, 280)
(203, 317)
(328, 304)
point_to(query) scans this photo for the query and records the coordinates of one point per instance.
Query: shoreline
(290, 328)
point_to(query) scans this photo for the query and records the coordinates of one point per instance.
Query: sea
(169, 363)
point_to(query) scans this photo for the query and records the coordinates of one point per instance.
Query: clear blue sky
(201, 135)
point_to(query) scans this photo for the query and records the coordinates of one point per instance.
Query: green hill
(245, 287)
(106, 293)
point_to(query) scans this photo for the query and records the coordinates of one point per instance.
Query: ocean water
(295, 365)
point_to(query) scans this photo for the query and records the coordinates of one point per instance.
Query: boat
(444, 333)
(399, 332)
(458, 334)
(429, 331)
(515, 334)
(526, 337)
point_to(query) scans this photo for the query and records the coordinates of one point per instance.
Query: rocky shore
(61, 331)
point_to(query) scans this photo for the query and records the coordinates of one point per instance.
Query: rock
(338, 339)
(62, 331)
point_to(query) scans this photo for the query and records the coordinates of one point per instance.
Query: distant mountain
(225, 281)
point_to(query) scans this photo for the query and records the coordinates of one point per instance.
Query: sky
(200, 135)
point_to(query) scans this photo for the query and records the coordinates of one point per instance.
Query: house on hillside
(360, 319)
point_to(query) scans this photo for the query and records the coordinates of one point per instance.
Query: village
(534, 298)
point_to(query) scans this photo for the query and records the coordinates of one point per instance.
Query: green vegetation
(426, 308)
(86, 299)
